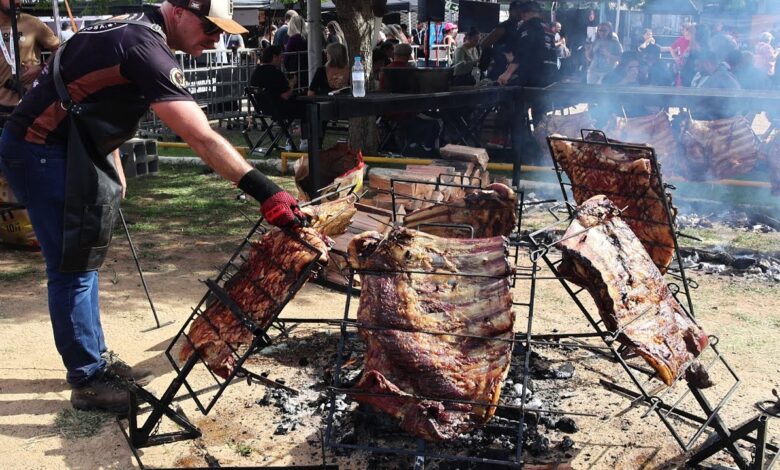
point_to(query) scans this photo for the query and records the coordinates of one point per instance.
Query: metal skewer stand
(509, 417)
(666, 402)
(142, 430)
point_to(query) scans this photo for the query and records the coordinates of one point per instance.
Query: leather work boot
(121, 369)
(104, 393)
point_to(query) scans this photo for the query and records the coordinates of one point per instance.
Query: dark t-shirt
(534, 52)
(270, 78)
(102, 63)
(510, 28)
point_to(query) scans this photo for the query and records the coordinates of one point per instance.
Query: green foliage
(185, 199)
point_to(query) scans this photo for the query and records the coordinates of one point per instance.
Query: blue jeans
(36, 174)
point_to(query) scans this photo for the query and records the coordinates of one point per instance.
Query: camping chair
(265, 109)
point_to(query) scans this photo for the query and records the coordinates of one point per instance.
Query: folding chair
(265, 109)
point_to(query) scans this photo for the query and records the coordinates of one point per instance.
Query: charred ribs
(490, 211)
(602, 254)
(258, 288)
(431, 337)
(627, 178)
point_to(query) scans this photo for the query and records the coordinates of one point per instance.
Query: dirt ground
(745, 315)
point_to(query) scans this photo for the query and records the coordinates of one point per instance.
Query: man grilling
(59, 154)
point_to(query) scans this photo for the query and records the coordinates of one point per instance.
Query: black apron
(93, 189)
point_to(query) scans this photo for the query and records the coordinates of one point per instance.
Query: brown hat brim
(228, 25)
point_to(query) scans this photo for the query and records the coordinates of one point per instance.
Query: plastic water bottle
(358, 79)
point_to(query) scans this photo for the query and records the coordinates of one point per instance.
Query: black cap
(530, 7)
(515, 4)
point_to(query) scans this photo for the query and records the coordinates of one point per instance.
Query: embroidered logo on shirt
(177, 77)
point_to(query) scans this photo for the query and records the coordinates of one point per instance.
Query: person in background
(402, 58)
(405, 32)
(647, 40)
(743, 67)
(281, 36)
(393, 33)
(381, 56)
(66, 31)
(534, 63)
(296, 58)
(627, 72)
(34, 37)
(334, 74)
(418, 34)
(420, 129)
(765, 56)
(334, 34)
(680, 45)
(465, 59)
(265, 37)
(450, 35)
(658, 73)
(269, 78)
(713, 73)
(387, 50)
(499, 41)
(603, 54)
(699, 44)
(561, 50)
(534, 60)
(721, 42)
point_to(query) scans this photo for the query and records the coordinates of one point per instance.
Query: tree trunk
(356, 20)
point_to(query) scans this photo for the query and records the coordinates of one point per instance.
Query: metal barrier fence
(217, 80)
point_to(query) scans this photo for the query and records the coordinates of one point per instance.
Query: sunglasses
(209, 27)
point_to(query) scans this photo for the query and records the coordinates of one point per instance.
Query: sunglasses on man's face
(209, 27)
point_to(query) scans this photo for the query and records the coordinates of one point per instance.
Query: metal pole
(138, 265)
(55, 12)
(314, 20)
(15, 43)
(617, 18)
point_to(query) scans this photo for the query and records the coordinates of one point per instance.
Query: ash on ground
(735, 220)
(749, 265)
(545, 435)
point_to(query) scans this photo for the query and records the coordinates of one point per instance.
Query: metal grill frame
(655, 401)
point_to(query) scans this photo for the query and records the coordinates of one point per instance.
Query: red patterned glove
(282, 210)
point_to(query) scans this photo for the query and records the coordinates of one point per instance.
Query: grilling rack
(666, 402)
(275, 327)
(458, 450)
(510, 456)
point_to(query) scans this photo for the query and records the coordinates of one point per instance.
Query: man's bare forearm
(220, 155)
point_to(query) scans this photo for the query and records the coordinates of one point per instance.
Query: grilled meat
(259, 289)
(627, 178)
(602, 254)
(433, 337)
